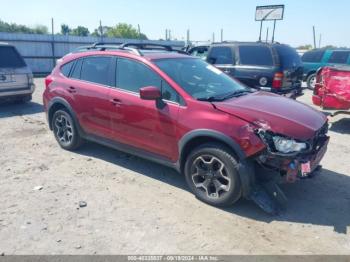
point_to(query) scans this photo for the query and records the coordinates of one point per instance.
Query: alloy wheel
(209, 175)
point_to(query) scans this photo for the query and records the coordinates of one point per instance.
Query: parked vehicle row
(317, 58)
(16, 78)
(228, 140)
(271, 67)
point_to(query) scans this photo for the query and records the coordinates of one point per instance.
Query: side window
(96, 70)
(77, 69)
(339, 57)
(132, 76)
(221, 55)
(168, 93)
(65, 69)
(255, 55)
(313, 56)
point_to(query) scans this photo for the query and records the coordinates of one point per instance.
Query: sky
(202, 17)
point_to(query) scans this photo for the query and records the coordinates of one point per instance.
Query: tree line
(121, 30)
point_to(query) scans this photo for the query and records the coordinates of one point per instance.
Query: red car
(332, 89)
(182, 112)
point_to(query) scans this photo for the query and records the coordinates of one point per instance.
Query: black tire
(67, 135)
(311, 79)
(229, 176)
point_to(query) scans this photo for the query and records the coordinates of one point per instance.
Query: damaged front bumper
(272, 168)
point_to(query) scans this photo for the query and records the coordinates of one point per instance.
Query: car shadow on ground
(322, 201)
(10, 109)
(341, 126)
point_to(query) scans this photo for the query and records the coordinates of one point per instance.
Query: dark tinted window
(255, 55)
(10, 58)
(77, 69)
(288, 56)
(96, 70)
(133, 75)
(339, 57)
(65, 69)
(221, 55)
(201, 52)
(313, 56)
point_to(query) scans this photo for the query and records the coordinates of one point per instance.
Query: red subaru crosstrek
(179, 111)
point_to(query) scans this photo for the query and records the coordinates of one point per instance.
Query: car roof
(234, 43)
(150, 55)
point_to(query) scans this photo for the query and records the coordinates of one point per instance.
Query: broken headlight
(285, 145)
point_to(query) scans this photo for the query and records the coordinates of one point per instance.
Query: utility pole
(222, 35)
(101, 32)
(213, 37)
(319, 41)
(267, 34)
(139, 30)
(169, 34)
(53, 43)
(314, 32)
(188, 37)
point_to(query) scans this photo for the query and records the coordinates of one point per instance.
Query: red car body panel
(332, 90)
(124, 117)
(278, 114)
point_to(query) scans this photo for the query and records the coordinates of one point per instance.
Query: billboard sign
(269, 12)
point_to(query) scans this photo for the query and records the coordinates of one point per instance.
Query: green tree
(40, 29)
(305, 47)
(80, 31)
(65, 29)
(123, 30)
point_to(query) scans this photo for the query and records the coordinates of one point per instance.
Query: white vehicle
(16, 78)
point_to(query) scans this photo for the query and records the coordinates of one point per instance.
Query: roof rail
(148, 46)
(129, 46)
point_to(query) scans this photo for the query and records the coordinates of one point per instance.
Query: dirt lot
(135, 206)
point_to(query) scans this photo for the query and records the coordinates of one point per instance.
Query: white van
(16, 78)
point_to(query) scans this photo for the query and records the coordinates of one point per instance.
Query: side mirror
(150, 93)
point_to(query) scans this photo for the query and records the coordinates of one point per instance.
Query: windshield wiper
(225, 96)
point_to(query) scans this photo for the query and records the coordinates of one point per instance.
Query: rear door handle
(72, 90)
(116, 101)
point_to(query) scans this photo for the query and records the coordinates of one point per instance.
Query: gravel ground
(138, 207)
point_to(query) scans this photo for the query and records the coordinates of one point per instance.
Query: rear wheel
(65, 130)
(311, 81)
(212, 174)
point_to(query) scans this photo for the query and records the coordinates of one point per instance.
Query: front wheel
(311, 81)
(65, 130)
(211, 172)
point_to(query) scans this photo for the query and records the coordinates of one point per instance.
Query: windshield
(200, 79)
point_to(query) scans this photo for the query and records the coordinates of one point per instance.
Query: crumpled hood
(275, 113)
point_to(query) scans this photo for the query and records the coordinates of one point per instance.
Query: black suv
(269, 67)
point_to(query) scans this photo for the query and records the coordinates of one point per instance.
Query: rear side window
(10, 58)
(255, 55)
(221, 55)
(339, 57)
(65, 69)
(288, 56)
(96, 70)
(77, 69)
(313, 56)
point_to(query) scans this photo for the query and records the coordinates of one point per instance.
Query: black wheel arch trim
(213, 134)
(65, 103)
(245, 165)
